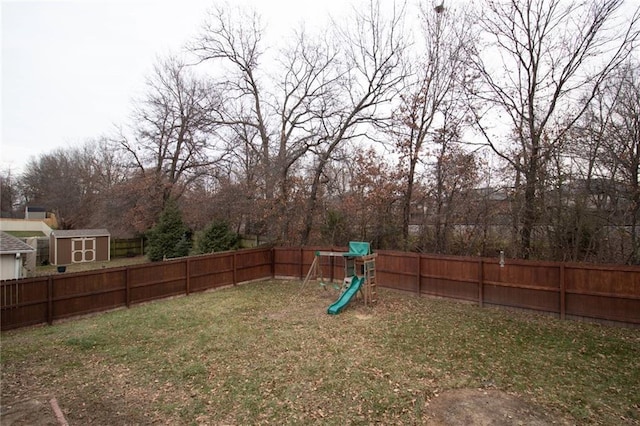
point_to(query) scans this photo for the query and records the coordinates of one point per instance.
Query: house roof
(74, 233)
(12, 245)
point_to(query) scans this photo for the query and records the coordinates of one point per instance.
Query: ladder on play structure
(371, 285)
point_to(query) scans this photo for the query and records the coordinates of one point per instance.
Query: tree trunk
(406, 208)
(313, 198)
(529, 209)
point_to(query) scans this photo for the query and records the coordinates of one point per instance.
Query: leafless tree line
(513, 126)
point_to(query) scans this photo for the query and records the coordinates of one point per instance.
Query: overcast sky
(70, 69)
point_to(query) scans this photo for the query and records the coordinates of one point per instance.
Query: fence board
(612, 307)
(207, 272)
(586, 278)
(74, 294)
(517, 296)
(533, 274)
(253, 264)
(23, 302)
(157, 280)
(457, 269)
(287, 261)
(398, 271)
(449, 288)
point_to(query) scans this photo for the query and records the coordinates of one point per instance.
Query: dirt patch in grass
(482, 407)
(31, 412)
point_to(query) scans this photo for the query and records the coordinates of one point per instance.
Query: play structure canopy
(357, 249)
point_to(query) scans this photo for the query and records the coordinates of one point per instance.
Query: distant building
(35, 212)
(13, 253)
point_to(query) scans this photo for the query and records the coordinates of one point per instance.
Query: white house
(12, 256)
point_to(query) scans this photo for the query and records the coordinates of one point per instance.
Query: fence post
(301, 264)
(481, 283)
(188, 277)
(419, 275)
(128, 286)
(562, 293)
(50, 300)
(273, 262)
(235, 268)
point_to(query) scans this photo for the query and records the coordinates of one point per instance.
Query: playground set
(359, 275)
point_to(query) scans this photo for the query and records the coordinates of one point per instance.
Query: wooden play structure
(359, 274)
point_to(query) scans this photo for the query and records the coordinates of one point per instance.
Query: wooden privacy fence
(610, 293)
(598, 292)
(46, 299)
(125, 247)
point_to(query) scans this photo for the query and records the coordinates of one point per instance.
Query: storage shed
(80, 245)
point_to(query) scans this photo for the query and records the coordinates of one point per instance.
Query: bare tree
(68, 182)
(271, 118)
(622, 152)
(316, 97)
(172, 129)
(542, 63)
(433, 96)
(453, 175)
(372, 201)
(9, 194)
(372, 68)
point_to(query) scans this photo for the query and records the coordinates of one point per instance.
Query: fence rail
(609, 293)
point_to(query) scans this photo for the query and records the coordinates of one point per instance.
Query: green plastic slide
(346, 297)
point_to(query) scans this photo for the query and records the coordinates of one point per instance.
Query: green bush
(170, 237)
(217, 237)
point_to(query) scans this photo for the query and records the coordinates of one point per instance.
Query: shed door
(83, 250)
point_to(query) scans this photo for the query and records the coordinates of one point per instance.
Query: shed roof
(11, 245)
(75, 233)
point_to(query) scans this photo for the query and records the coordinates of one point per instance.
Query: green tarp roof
(358, 248)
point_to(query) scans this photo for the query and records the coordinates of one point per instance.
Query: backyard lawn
(117, 262)
(268, 353)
